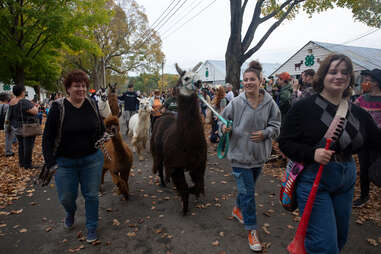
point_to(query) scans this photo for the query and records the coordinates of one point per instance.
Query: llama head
(144, 105)
(102, 94)
(112, 88)
(112, 125)
(189, 81)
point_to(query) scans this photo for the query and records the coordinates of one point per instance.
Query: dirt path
(151, 221)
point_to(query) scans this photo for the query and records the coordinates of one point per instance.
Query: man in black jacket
(131, 103)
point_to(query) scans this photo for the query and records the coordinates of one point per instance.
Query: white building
(310, 56)
(214, 71)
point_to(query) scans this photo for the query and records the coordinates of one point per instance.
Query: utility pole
(162, 77)
(104, 72)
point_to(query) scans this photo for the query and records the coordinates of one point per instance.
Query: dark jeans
(328, 226)
(366, 158)
(25, 150)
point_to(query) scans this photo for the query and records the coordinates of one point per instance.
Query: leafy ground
(150, 221)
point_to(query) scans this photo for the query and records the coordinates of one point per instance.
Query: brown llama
(113, 100)
(178, 142)
(121, 157)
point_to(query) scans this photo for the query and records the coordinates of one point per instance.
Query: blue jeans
(328, 226)
(246, 179)
(87, 171)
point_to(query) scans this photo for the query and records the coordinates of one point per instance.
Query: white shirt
(229, 96)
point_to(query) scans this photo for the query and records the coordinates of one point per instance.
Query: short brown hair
(318, 82)
(76, 76)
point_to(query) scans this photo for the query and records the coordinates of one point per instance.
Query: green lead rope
(223, 145)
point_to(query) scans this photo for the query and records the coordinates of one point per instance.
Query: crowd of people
(294, 112)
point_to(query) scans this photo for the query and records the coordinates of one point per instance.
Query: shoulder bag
(29, 129)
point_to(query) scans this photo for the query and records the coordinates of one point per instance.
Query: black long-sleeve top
(80, 131)
(303, 130)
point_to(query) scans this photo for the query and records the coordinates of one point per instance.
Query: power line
(163, 13)
(192, 7)
(167, 18)
(191, 18)
(362, 36)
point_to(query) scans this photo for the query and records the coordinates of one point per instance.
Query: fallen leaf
(115, 222)
(372, 242)
(290, 226)
(131, 234)
(23, 230)
(48, 229)
(216, 243)
(222, 234)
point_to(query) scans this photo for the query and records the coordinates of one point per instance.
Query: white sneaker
(254, 243)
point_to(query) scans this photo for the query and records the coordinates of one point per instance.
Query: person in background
(4, 124)
(285, 92)
(72, 149)
(371, 102)
(302, 140)
(219, 103)
(204, 93)
(22, 111)
(305, 87)
(131, 103)
(229, 92)
(170, 104)
(156, 104)
(256, 121)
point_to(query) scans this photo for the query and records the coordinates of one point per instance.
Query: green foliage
(33, 32)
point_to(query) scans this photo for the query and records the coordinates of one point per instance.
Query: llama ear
(196, 67)
(179, 70)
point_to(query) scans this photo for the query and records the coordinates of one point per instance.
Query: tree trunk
(19, 77)
(98, 74)
(233, 52)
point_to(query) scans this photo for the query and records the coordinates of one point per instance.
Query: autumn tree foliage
(126, 44)
(240, 46)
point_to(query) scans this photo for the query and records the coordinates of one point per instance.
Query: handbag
(29, 129)
(293, 169)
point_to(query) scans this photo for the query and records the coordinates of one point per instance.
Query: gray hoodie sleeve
(273, 124)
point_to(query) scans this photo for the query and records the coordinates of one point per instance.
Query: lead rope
(223, 144)
(100, 144)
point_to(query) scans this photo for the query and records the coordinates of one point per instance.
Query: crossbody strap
(338, 122)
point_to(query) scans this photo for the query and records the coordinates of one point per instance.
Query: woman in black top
(301, 139)
(72, 128)
(22, 111)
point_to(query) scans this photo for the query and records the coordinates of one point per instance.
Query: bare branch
(271, 29)
(244, 6)
(255, 20)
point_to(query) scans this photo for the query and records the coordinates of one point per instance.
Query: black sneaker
(360, 202)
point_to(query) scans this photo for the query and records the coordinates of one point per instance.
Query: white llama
(139, 127)
(103, 105)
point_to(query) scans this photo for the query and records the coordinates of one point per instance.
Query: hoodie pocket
(260, 150)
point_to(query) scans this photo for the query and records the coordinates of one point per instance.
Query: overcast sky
(206, 36)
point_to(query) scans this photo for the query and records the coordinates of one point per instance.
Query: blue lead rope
(223, 144)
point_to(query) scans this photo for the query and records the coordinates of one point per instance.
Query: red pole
(297, 244)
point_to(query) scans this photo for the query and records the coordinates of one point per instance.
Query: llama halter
(223, 144)
(100, 144)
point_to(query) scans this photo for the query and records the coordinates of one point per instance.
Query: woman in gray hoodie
(256, 121)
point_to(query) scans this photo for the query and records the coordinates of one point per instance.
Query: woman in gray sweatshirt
(256, 121)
